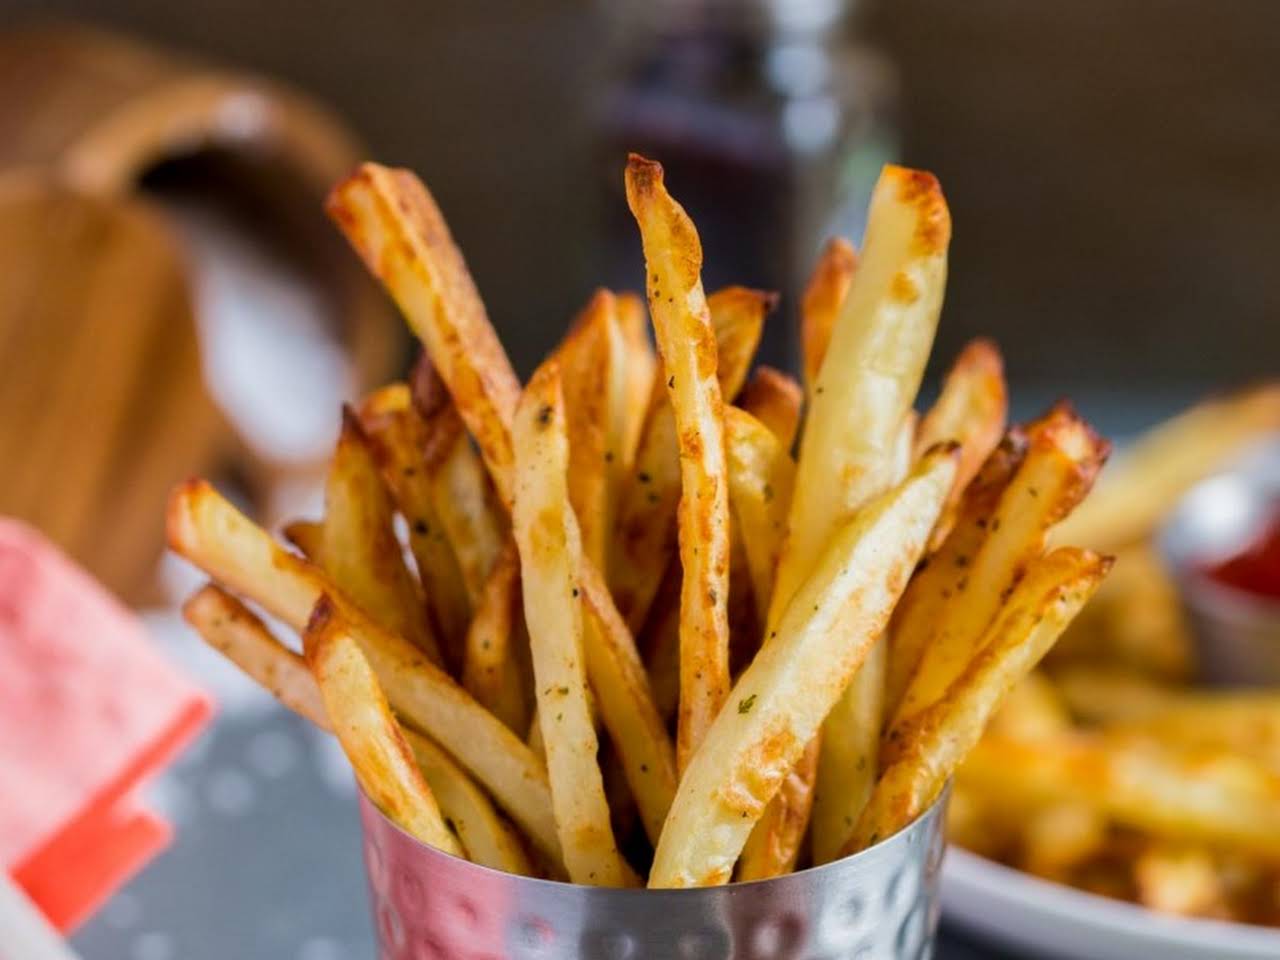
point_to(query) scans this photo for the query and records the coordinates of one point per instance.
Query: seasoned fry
(359, 549)
(918, 617)
(491, 673)
(1063, 458)
(761, 476)
(971, 409)
(775, 842)
(642, 370)
(393, 223)
(646, 535)
(1168, 461)
(922, 756)
(406, 448)
(550, 560)
(687, 343)
(823, 298)
(361, 718)
(212, 534)
(774, 398)
(781, 699)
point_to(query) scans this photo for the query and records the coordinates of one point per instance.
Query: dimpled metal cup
(881, 904)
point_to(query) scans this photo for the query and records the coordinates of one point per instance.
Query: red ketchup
(1256, 569)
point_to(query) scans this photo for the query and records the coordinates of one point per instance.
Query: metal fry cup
(880, 904)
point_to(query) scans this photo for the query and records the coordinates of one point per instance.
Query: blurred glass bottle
(771, 119)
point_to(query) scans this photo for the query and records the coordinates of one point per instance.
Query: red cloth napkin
(88, 709)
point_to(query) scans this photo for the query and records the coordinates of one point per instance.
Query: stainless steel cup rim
(816, 874)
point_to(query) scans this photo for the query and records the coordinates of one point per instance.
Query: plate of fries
(652, 617)
(1109, 769)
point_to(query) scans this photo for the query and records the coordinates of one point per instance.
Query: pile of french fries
(1105, 768)
(604, 626)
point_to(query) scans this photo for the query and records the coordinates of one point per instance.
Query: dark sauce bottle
(771, 123)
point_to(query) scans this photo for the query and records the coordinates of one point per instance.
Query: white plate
(1051, 920)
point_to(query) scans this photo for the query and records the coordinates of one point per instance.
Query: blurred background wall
(1111, 164)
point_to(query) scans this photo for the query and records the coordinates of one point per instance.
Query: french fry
(774, 843)
(918, 617)
(460, 491)
(393, 223)
(1063, 458)
(850, 760)
(642, 370)
(775, 399)
(761, 476)
(233, 630)
(923, 755)
(550, 560)
(1182, 880)
(1169, 460)
(780, 700)
(361, 718)
(230, 548)
(687, 343)
(662, 644)
(491, 673)
(1221, 800)
(307, 536)
(1059, 837)
(646, 535)
(407, 448)
(971, 409)
(823, 298)
(359, 549)
(1033, 709)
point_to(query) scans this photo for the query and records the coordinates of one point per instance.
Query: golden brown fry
(359, 548)
(761, 475)
(780, 700)
(919, 616)
(823, 298)
(1182, 880)
(1032, 709)
(491, 673)
(687, 342)
(212, 534)
(775, 399)
(1063, 458)
(1058, 838)
(646, 535)
(393, 223)
(307, 536)
(774, 844)
(551, 560)
(407, 448)
(922, 755)
(1143, 487)
(971, 409)
(361, 718)
(642, 370)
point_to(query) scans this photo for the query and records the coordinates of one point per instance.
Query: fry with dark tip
(361, 718)
(359, 549)
(779, 702)
(687, 343)
(775, 399)
(546, 531)
(927, 751)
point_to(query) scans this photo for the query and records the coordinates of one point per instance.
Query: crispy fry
(550, 560)
(923, 755)
(1063, 458)
(646, 535)
(919, 616)
(307, 536)
(1166, 462)
(359, 549)
(823, 297)
(971, 409)
(850, 760)
(774, 844)
(774, 398)
(393, 223)
(780, 700)
(490, 673)
(687, 342)
(361, 718)
(642, 369)
(406, 446)
(208, 531)
(761, 476)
